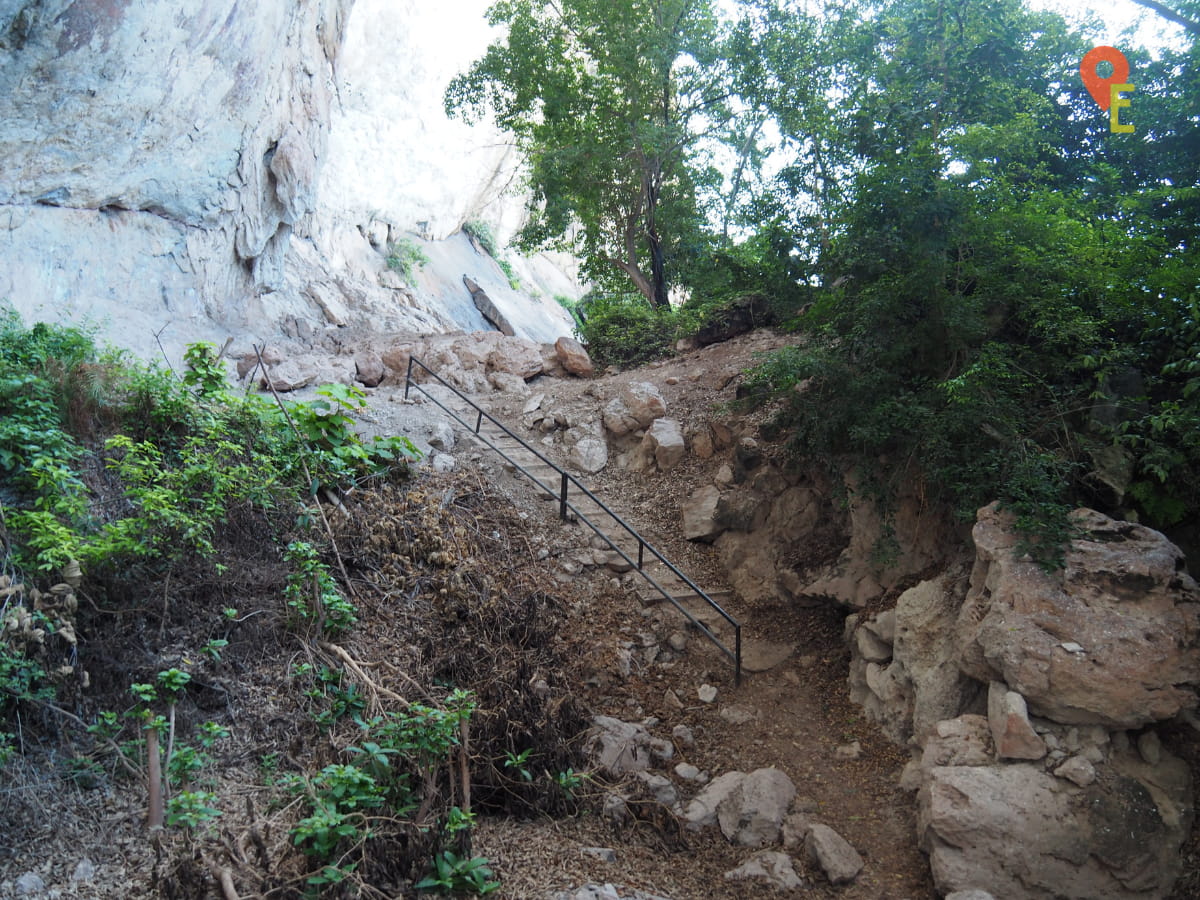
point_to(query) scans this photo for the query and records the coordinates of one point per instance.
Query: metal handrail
(565, 480)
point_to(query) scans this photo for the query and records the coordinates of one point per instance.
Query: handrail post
(479, 421)
(562, 499)
(737, 655)
(641, 551)
(408, 377)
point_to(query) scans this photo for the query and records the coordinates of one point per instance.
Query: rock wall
(173, 171)
(1031, 701)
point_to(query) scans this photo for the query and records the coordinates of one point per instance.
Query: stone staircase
(575, 503)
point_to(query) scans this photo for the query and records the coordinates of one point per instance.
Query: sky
(1116, 15)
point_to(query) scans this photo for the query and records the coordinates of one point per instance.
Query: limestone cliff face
(166, 166)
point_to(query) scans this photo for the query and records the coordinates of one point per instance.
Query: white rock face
(201, 168)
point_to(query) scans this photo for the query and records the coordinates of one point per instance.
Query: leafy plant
(327, 425)
(406, 257)
(459, 875)
(338, 794)
(569, 781)
(204, 374)
(514, 280)
(482, 232)
(192, 809)
(312, 594)
(518, 762)
(625, 330)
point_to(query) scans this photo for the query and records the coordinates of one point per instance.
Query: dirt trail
(794, 717)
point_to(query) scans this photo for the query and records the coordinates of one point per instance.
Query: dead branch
(352, 664)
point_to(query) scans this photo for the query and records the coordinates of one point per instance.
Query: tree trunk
(658, 273)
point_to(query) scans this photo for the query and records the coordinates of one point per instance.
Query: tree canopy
(1000, 295)
(609, 102)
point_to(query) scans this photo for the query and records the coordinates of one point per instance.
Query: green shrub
(482, 232)
(406, 257)
(514, 280)
(624, 330)
(313, 595)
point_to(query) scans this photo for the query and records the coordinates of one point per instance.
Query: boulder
(516, 356)
(289, 375)
(738, 316)
(771, 867)
(662, 447)
(962, 741)
(589, 454)
(1112, 640)
(701, 442)
(701, 812)
(700, 515)
(752, 814)
(441, 436)
(551, 364)
(508, 383)
(1015, 830)
(1009, 723)
(396, 357)
(574, 358)
(619, 748)
(638, 404)
(833, 853)
(369, 368)
(487, 308)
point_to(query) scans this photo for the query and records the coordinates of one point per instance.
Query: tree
(608, 101)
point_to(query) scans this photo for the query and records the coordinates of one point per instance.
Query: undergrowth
(212, 534)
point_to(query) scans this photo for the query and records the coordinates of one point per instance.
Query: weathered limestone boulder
(638, 404)
(589, 454)
(369, 368)
(1008, 720)
(749, 809)
(1112, 640)
(619, 748)
(487, 308)
(661, 448)
(700, 521)
(962, 741)
(573, 357)
(289, 375)
(772, 868)
(517, 356)
(1017, 831)
(701, 812)
(248, 361)
(838, 860)
(926, 652)
(396, 357)
(507, 383)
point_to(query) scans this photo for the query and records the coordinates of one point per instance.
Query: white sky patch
(1121, 22)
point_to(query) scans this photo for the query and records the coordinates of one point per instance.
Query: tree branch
(1167, 13)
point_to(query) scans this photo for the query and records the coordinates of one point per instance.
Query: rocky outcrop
(1112, 640)
(661, 448)
(1050, 793)
(178, 172)
(904, 671)
(1019, 831)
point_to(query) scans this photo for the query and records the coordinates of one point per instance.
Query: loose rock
(840, 862)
